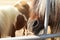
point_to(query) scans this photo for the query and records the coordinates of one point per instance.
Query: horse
(35, 22)
(13, 18)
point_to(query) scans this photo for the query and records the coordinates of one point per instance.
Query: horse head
(36, 20)
(34, 24)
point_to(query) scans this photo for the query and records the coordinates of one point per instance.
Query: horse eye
(35, 23)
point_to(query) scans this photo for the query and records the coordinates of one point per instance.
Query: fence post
(47, 12)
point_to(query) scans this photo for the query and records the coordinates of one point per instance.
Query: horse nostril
(35, 23)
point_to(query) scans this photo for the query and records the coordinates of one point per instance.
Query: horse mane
(40, 6)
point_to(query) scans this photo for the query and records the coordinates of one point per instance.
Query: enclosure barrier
(45, 35)
(47, 12)
(32, 37)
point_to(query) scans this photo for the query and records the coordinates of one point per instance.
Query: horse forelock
(39, 7)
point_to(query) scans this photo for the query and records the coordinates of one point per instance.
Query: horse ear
(23, 7)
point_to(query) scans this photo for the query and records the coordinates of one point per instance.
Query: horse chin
(38, 31)
(35, 33)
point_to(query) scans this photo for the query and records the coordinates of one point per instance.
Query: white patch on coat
(8, 15)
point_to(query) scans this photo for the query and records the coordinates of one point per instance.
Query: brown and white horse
(13, 18)
(36, 20)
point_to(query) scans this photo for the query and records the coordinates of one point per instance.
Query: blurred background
(7, 2)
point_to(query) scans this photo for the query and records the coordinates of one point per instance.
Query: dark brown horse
(13, 18)
(36, 21)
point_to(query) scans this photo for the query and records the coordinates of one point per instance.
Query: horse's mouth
(38, 30)
(31, 33)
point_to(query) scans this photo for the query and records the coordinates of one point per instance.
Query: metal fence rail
(32, 37)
